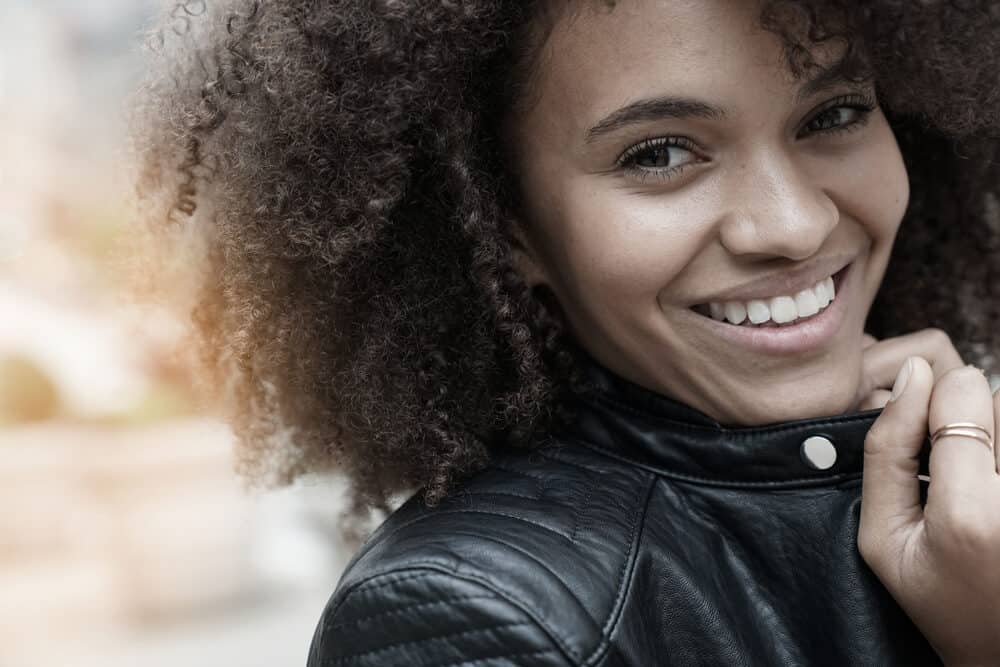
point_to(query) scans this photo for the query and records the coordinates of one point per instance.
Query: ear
(527, 262)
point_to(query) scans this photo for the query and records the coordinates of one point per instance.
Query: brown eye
(836, 117)
(846, 113)
(663, 157)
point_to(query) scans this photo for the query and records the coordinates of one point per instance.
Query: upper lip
(784, 283)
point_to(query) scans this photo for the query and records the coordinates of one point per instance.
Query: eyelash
(864, 104)
(629, 158)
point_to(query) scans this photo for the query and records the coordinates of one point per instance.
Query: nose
(778, 209)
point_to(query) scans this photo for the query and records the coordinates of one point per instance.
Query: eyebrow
(654, 108)
(659, 108)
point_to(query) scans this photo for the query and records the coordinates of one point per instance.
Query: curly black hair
(338, 168)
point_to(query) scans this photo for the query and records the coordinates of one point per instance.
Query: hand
(882, 360)
(941, 562)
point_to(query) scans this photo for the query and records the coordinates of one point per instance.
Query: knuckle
(937, 338)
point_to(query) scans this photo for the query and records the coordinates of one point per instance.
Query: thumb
(890, 490)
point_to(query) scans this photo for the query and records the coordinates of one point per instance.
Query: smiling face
(673, 169)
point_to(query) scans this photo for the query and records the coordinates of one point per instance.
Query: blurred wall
(125, 538)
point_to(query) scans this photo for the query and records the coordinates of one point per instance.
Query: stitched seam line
(521, 551)
(550, 455)
(505, 494)
(417, 519)
(813, 481)
(579, 509)
(543, 564)
(430, 567)
(509, 516)
(411, 607)
(539, 481)
(389, 647)
(494, 657)
(458, 510)
(579, 512)
(628, 563)
(461, 510)
(366, 585)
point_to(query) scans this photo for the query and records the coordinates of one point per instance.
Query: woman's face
(672, 166)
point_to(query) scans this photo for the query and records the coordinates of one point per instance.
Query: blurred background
(125, 536)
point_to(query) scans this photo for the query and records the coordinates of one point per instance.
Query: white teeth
(735, 311)
(824, 293)
(779, 309)
(806, 303)
(783, 309)
(758, 311)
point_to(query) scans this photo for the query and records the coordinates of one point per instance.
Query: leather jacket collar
(630, 421)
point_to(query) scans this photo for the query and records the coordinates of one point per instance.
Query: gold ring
(967, 429)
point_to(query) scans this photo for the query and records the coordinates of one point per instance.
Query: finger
(875, 400)
(882, 361)
(867, 340)
(960, 462)
(890, 490)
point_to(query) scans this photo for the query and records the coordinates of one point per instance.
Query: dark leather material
(645, 534)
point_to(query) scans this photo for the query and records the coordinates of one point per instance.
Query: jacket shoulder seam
(508, 656)
(421, 569)
(410, 642)
(409, 608)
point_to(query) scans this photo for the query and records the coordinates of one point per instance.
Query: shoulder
(528, 561)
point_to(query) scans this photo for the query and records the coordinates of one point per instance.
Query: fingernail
(900, 384)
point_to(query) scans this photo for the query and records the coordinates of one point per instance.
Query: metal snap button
(818, 452)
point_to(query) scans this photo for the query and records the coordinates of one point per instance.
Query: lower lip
(808, 335)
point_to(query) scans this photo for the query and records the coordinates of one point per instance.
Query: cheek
(874, 188)
(627, 248)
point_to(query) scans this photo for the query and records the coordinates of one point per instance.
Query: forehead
(598, 57)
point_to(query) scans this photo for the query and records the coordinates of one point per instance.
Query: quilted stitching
(408, 609)
(383, 621)
(398, 645)
(504, 656)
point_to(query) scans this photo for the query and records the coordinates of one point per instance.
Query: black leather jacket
(647, 534)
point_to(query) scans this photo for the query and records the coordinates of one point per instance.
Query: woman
(595, 278)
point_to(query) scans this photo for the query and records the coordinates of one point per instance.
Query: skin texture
(937, 560)
(883, 359)
(323, 195)
(627, 256)
(361, 321)
(765, 191)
